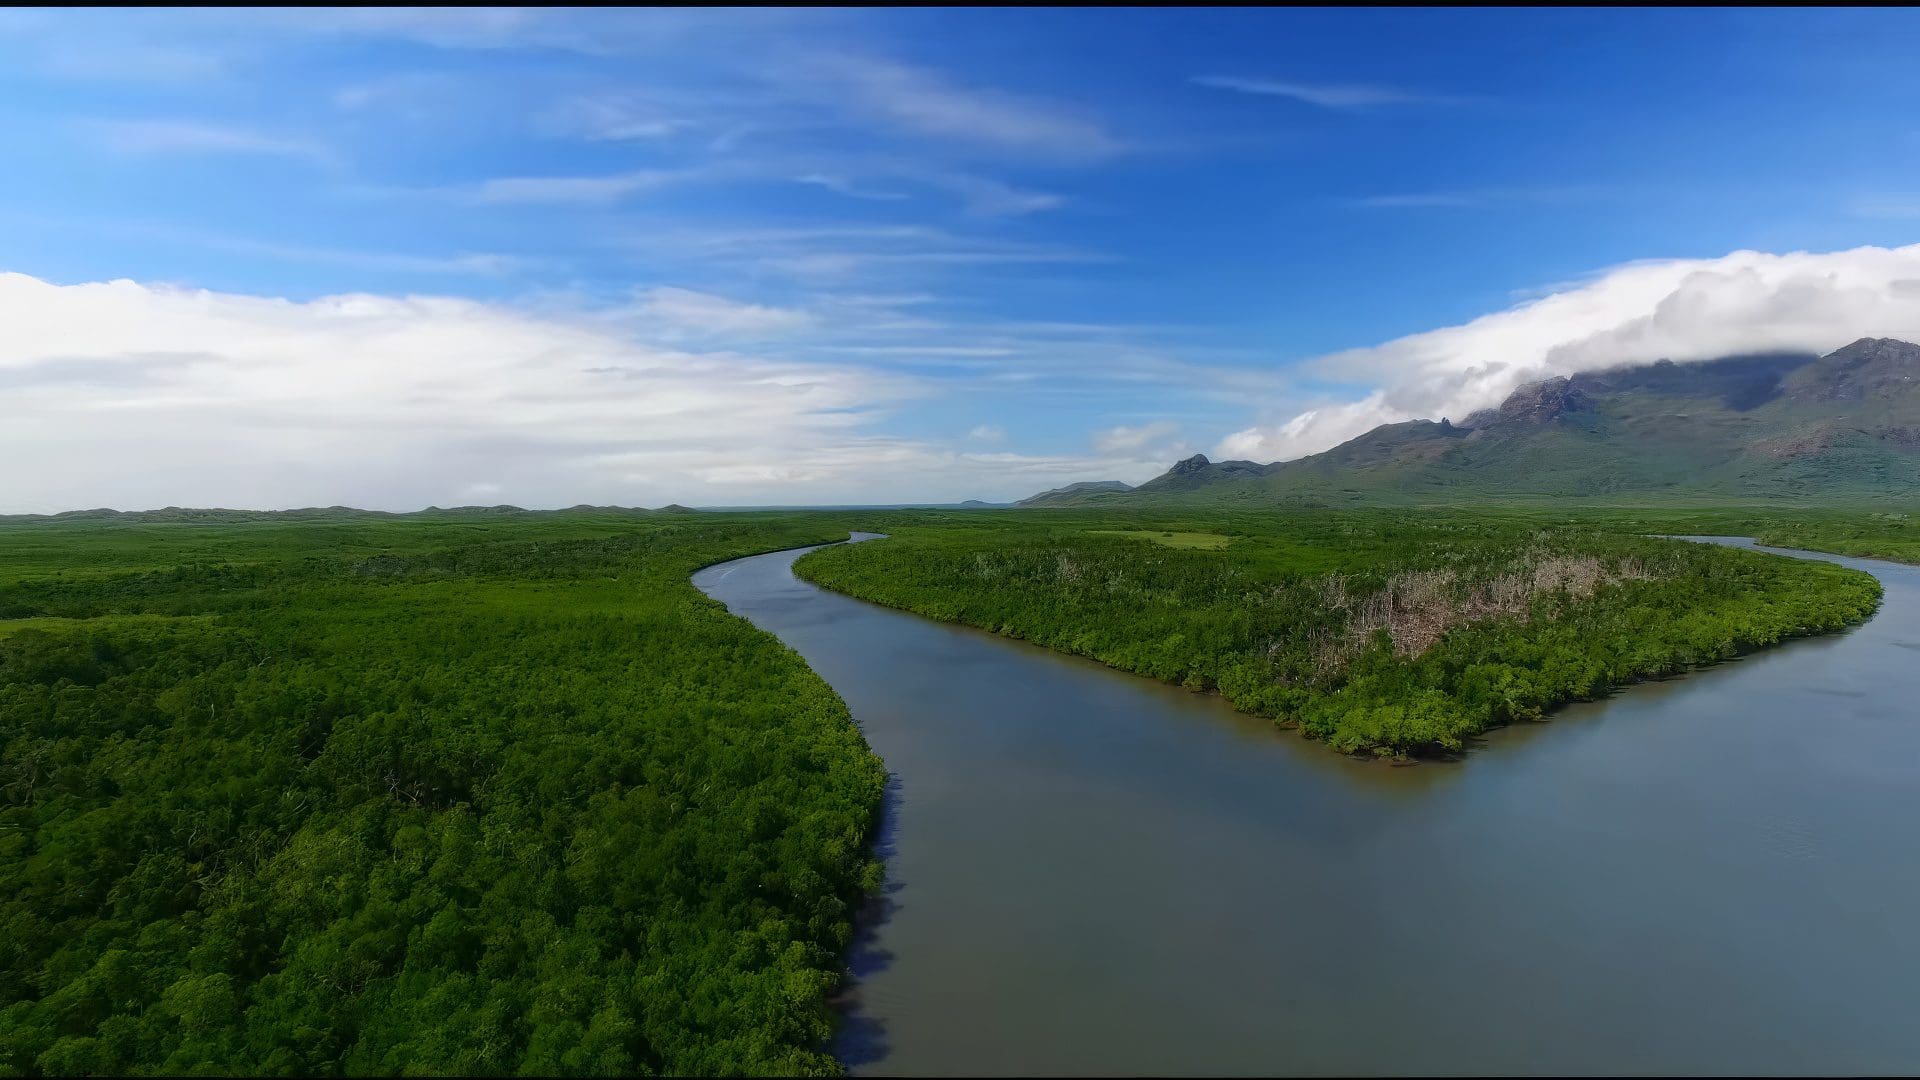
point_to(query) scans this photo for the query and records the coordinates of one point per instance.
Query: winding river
(1093, 873)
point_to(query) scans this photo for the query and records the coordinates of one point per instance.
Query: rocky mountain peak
(1543, 401)
(1867, 369)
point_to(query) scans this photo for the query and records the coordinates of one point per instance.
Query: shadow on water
(862, 1036)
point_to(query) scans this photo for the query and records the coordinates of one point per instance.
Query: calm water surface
(1093, 873)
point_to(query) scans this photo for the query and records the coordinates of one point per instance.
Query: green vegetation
(1196, 540)
(1886, 529)
(457, 793)
(1382, 631)
(1893, 536)
(488, 791)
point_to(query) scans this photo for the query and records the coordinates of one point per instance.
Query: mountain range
(1844, 425)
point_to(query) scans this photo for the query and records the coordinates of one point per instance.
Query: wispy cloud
(131, 62)
(986, 197)
(980, 196)
(194, 137)
(685, 312)
(413, 96)
(1345, 96)
(842, 185)
(1123, 439)
(988, 433)
(1889, 209)
(626, 117)
(1428, 200)
(478, 263)
(153, 233)
(602, 33)
(591, 190)
(835, 265)
(448, 28)
(834, 253)
(927, 104)
(1480, 198)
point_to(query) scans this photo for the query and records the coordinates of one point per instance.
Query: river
(1094, 873)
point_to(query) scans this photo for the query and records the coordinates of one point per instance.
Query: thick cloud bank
(1683, 309)
(134, 396)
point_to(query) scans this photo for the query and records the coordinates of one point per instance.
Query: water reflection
(862, 1039)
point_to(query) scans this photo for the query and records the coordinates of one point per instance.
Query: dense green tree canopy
(423, 797)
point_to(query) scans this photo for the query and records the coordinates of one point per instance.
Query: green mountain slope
(1073, 494)
(1844, 425)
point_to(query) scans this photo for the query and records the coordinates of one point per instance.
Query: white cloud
(1676, 309)
(1329, 95)
(192, 137)
(988, 433)
(706, 315)
(1116, 440)
(132, 395)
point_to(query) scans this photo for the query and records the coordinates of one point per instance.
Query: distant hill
(1844, 425)
(177, 515)
(187, 515)
(1074, 493)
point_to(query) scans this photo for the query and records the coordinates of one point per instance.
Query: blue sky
(831, 256)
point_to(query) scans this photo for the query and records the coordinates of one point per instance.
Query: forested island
(1392, 632)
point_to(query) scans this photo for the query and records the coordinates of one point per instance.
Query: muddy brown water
(1094, 873)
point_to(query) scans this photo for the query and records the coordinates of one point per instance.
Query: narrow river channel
(1093, 873)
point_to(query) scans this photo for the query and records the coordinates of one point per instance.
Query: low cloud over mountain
(1678, 309)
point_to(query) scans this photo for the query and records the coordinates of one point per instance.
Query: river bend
(1094, 873)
